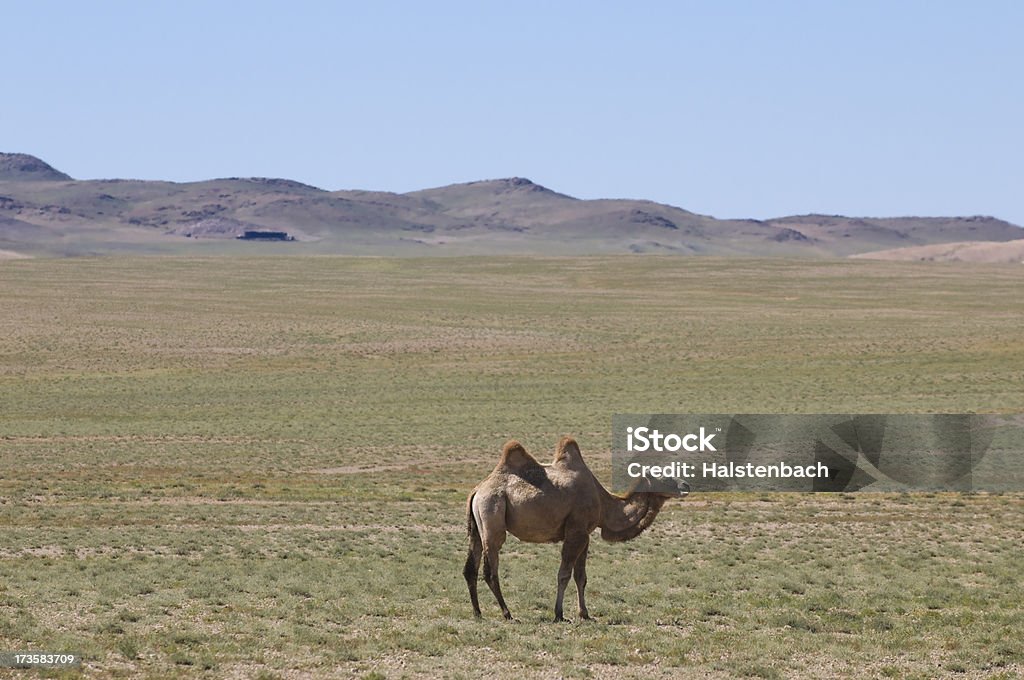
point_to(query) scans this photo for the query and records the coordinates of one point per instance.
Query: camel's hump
(567, 453)
(515, 457)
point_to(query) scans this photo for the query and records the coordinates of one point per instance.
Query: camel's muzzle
(682, 488)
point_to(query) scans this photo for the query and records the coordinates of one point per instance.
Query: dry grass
(245, 467)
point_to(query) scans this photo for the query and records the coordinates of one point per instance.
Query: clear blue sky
(735, 109)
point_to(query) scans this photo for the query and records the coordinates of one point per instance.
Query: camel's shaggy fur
(561, 502)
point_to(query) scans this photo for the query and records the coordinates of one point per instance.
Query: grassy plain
(258, 467)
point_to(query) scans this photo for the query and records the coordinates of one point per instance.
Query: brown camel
(538, 503)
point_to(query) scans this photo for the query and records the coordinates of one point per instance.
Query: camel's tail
(473, 559)
(475, 544)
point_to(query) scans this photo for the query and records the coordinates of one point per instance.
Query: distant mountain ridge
(45, 212)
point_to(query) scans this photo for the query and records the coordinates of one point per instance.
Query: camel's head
(680, 490)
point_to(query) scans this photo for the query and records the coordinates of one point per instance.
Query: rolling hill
(45, 212)
(23, 167)
(986, 252)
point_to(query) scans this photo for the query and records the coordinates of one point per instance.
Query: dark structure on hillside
(265, 236)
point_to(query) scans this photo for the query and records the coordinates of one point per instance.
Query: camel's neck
(626, 518)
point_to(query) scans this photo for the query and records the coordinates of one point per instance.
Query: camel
(539, 503)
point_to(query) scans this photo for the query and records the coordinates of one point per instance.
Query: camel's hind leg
(571, 548)
(579, 573)
(491, 575)
(490, 518)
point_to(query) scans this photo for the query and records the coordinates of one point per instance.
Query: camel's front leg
(571, 548)
(579, 573)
